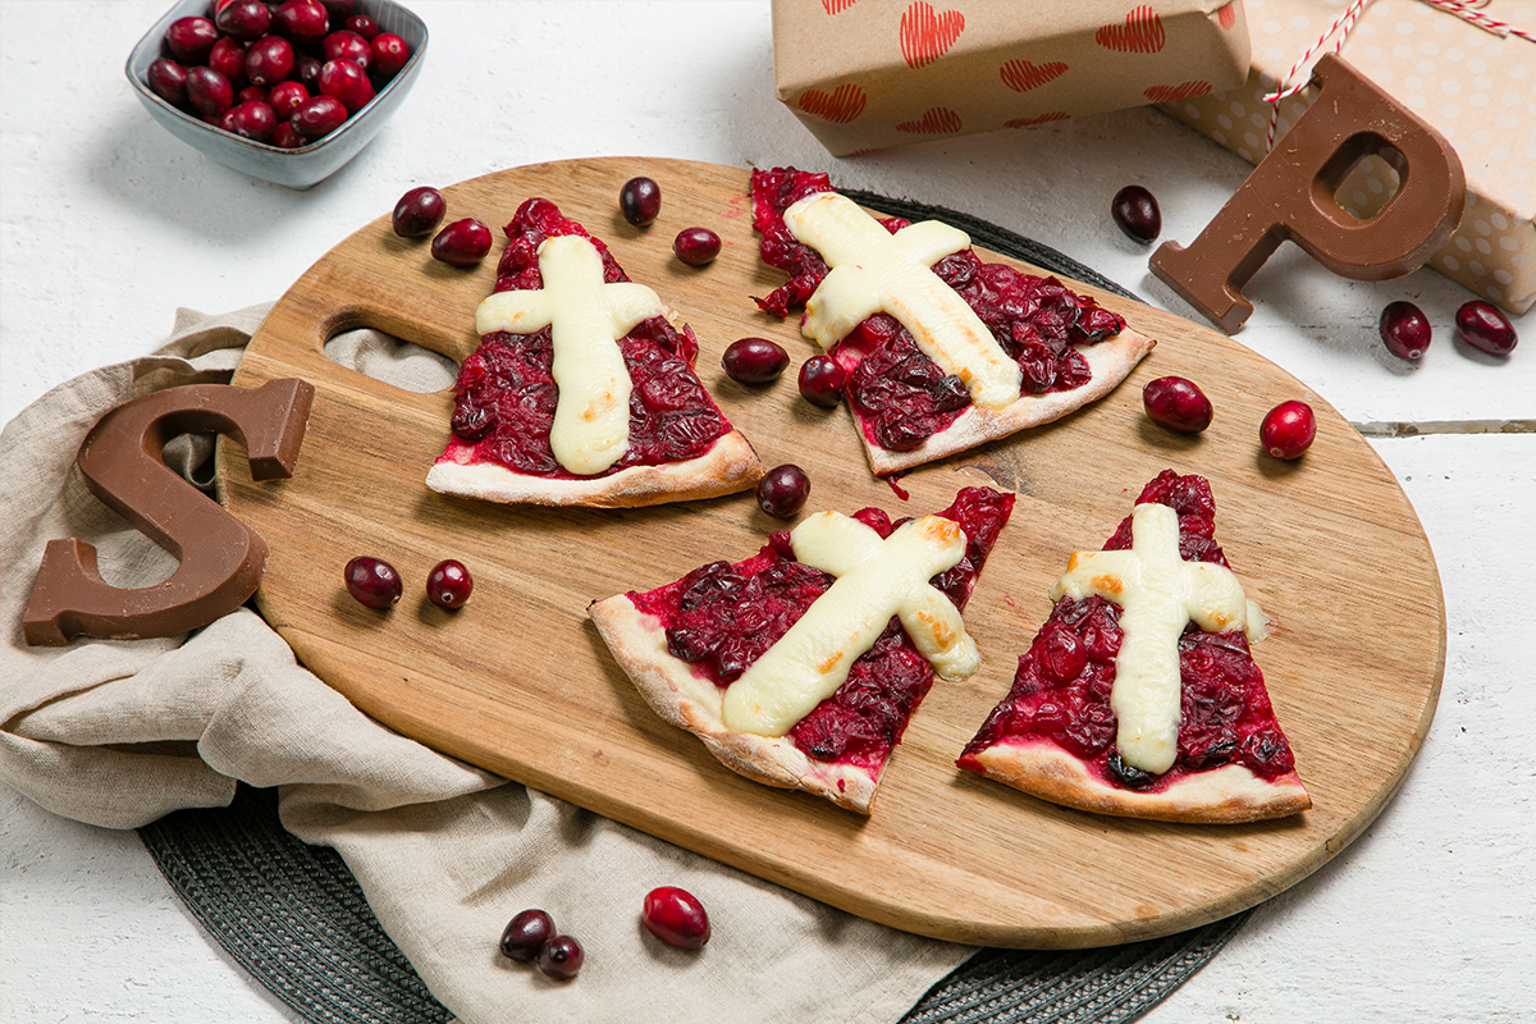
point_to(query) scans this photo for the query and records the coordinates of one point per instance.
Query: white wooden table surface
(109, 224)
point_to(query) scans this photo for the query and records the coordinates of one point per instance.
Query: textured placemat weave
(294, 917)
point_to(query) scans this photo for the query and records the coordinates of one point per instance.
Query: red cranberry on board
(243, 19)
(302, 21)
(1177, 404)
(676, 917)
(390, 54)
(418, 212)
(821, 381)
(449, 584)
(317, 117)
(696, 246)
(1135, 211)
(228, 58)
(269, 60)
(1404, 329)
(526, 934)
(640, 201)
(209, 92)
(1481, 325)
(168, 80)
(462, 243)
(347, 82)
(1288, 429)
(254, 121)
(783, 491)
(373, 582)
(345, 44)
(362, 25)
(190, 39)
(560, 958)
(286, 97)
(754, 360)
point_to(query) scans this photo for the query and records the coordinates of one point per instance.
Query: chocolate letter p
(1290, 195)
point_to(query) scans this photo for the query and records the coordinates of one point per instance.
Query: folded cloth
(119, 733)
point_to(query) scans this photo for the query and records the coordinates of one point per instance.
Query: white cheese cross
(874, 271)
(587, 317)
(876, 579)
(1159, 594)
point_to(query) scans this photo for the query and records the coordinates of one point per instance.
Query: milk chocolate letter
(222, 559)
(1290, 195)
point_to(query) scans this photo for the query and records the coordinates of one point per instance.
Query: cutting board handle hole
(391, 360)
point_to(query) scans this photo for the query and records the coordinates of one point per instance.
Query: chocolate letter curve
(222, 559)
(1290, 195)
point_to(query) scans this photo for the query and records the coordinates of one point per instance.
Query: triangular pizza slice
(583, 391)
(800, 666)
(941, 352)
(1139, 696)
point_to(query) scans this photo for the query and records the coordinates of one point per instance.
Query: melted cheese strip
(1159, 594)
(591, 427)
(874, 271)
(875, 579)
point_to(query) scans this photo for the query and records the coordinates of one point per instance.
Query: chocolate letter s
(1290, 195)
(222, 559)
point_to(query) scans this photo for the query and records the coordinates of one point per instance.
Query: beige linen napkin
(119, 733)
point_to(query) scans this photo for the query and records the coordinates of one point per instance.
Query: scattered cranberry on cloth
(119, 733)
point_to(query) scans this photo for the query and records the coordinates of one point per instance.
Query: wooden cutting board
(519, 682)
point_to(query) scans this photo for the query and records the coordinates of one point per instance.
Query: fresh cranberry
(1481, 325)
(286, 97)
(306, 71)
(269, 60)
(783, 491)
(191, 39)
(389, 54)
(1405, 330)
(284, 137)
(821, 381)
(1288, 429)
(251, 94)
(209, 92)
(462, 243)
(228, 58)
(1177, 404)
(302, 21)
(560, 958)
(362, 25)
(676, 917)
(696, 246)
(168, 80)
(254, 121)
(345, 44)
(1135, 211)
(339, 10)
(347, 82)
(526, 934)
(243, 19)
(754, 360)
(449, 584)
(640, 201)
(418, 212)
(317, 117)
(373, 581)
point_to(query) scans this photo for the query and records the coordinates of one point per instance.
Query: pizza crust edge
(689, 701)
(1228, 795)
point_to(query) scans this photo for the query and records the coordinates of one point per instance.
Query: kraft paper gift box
(1475, 85)
(869, 74)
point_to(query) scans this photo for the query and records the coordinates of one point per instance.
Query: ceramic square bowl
(296, 168)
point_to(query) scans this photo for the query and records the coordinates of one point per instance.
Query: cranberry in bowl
(298, 160)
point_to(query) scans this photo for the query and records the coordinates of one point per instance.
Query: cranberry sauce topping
(506, 393)
(1061, 691)
(902, 398)
(722, 617)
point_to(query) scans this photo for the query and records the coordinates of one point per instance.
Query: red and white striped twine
(1295, 82)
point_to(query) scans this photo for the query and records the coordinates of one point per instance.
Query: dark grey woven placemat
(294, 917)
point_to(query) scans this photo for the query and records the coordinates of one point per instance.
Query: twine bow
(1294, 81)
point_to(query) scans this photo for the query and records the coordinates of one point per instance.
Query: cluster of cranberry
(673, 915)
(284, 74)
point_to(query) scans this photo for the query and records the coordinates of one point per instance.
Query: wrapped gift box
(1477, 87)
(867, 74)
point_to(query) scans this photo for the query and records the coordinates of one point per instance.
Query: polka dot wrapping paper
(1473, 80)
(871, 74)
